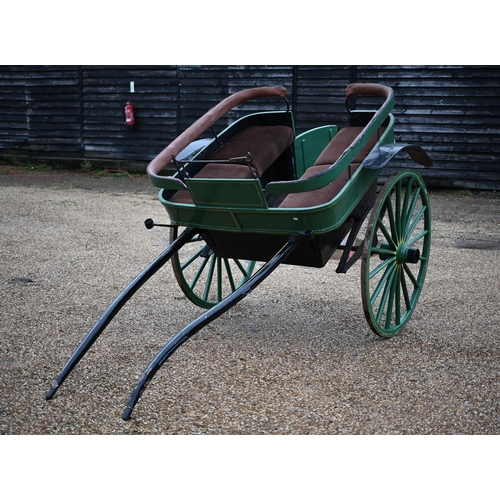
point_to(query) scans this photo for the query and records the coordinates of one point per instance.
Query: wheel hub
(407, 255)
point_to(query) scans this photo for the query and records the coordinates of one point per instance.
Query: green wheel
(205, 278)
(396, 253)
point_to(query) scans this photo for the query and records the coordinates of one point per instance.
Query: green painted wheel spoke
(229, 274)
(416, 238)
(383, 280)
(413, 204)
(410, 275)
(379, 268)
(191, 260)
(398, 296)
(398, 210)
(219, 279)
(242, 269)
(416, 195)
(383, 251)
(404, 208)
(198, 274)
(390, 303)
(405, 292)
(209, 277)
(392, 222)
(416, 220)
(379, 286)
(385, 295)
(387, 235)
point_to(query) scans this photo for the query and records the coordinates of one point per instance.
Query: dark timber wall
(76, 112)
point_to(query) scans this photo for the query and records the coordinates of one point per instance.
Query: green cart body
(257, 214)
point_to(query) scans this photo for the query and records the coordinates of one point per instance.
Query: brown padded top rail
(374, 89)
(206, 121)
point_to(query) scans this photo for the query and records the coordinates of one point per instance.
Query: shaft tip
(127, 413)
(52, 391)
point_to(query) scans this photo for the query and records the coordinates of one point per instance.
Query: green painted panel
(234, 193)
(309, 145)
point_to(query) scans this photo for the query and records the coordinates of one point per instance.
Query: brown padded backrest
(340, 143)
(325, 160)
(265, 145)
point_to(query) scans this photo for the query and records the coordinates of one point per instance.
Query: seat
(325, 160)
(265, 144)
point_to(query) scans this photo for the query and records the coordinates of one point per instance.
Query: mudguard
(379, 157)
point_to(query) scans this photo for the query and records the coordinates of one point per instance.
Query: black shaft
(187, 332)
(118, 303)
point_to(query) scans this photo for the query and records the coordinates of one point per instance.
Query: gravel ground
(294, 357)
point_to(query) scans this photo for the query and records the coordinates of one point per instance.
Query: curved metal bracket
(379, 157)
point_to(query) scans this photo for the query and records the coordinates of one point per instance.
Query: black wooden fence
(76, 112)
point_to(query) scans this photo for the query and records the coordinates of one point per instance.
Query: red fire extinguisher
(129, 114)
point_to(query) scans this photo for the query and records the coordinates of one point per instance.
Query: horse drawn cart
(257, 193)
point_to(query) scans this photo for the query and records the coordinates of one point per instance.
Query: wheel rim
(205, 278)
(396, 253)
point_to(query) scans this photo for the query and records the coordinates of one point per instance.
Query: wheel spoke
(380, 267)
(242, 269)
(398, 296)
(390, 304)
(416, 220)
(405, 292)
(229, 274)
(398, 211)
(383, 251)
(410, 275)
(404, 208)
(416, 238)
(385, 232)
(392, 222)
(210, 277)
(413, 204)
(380, 285)
(385, 295)
(219, 279)
(198, 274)
(191, 260)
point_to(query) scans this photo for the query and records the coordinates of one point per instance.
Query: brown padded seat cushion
(321, 195)
(325, 160)
(264, 143)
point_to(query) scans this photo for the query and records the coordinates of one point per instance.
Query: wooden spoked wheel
(205, 278)
(396, 253)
